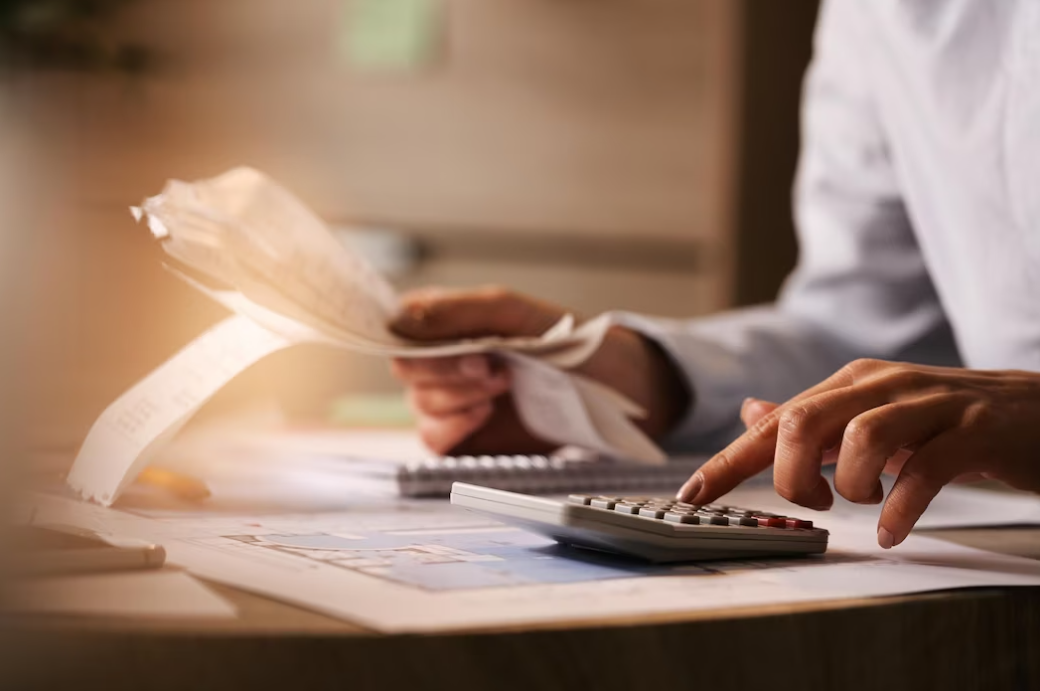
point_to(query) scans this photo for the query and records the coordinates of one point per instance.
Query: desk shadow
(986, 562)
(635, 567)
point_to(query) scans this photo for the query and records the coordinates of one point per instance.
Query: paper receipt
(292, 282)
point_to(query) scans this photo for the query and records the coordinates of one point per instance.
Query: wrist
(639, 368)
(672, 396)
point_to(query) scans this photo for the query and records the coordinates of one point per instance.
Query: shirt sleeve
(861, 287)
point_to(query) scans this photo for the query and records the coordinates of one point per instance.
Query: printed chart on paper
(426, 566)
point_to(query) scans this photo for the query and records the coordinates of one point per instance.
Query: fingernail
(474, 367)
(691, 489)
(885, 539)
(743, 409)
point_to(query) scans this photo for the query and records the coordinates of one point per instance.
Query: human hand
(927, 425)
(462, 403)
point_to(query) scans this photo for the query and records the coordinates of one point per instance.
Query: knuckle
(720, 472)
(723, 464)
(857, 369)
(763, 426)
(494, 292)
(979, 415)
(796, 424)
(861, 435)
(905, 378)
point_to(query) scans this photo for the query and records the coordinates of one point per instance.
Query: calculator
(655, 529)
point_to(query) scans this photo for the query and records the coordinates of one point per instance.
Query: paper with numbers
(120, 443)
(425, 566)
(290, 281)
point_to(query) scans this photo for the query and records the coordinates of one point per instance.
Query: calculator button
(689, 514)
(687, 518)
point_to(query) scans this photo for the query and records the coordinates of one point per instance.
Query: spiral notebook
(395, 463)
(433, 477)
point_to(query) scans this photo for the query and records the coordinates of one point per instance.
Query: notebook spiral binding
(433, 477)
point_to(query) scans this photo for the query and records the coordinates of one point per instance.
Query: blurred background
(602, 154)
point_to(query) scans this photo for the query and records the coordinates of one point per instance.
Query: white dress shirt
(917, 204)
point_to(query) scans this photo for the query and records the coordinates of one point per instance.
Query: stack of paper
(429, 566)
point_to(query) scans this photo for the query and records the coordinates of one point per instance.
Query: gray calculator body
(652, 538)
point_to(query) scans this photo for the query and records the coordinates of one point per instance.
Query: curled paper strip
(291, 282)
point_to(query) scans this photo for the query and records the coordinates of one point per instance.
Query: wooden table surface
(971, 639)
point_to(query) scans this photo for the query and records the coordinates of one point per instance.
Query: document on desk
(426, 566)
(288, 281)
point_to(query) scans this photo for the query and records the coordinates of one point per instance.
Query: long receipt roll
(294, 283)
(120, 443)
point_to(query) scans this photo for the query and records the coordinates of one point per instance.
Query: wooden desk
(974, 639)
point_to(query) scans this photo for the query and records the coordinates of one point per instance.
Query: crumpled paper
(289, 281)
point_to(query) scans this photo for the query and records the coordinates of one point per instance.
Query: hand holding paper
(289, 281)
(459, 401)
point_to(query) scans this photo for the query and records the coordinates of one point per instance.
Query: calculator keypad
(675, 511)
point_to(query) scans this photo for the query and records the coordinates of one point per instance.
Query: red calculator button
(770, 522)
(795, 523)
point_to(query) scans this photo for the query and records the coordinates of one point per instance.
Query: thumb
(754, 410)
(436, 314)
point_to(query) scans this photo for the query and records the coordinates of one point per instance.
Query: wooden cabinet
(601, 124)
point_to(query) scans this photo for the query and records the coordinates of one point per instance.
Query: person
(907, 339)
